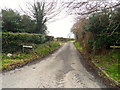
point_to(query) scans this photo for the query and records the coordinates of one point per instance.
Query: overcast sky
(59, 28)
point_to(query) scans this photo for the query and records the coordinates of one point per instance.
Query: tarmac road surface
(62, 69)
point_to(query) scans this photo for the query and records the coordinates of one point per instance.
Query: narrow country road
(62, 69)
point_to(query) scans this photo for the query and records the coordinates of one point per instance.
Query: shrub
(105, 30)
(49, 38)
(12, 42)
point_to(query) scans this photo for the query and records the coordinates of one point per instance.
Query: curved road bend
(62, 69)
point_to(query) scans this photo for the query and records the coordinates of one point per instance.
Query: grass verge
(78, 46)
(109, 62)
(20, 59)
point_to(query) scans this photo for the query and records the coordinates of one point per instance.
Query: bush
(64, 39)
(105, 29)
(49, 38)
(12, 42)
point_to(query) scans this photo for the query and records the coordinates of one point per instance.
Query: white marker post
(25, 46)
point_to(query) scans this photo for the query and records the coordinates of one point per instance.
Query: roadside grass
(45, 49)
(20, 59)
(78, 46)
(109, 62)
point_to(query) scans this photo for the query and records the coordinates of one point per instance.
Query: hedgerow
(12, 42)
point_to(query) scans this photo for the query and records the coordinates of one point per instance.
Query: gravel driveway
(62, 69)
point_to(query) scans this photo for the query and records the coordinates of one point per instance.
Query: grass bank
(109, 62)
(20, 59)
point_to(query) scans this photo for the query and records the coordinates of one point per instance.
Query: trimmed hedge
(49, 38)
(64, 39)
(12, 42)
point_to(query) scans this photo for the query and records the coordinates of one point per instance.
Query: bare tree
(51, 8)
(43, 12)
(83, 9)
